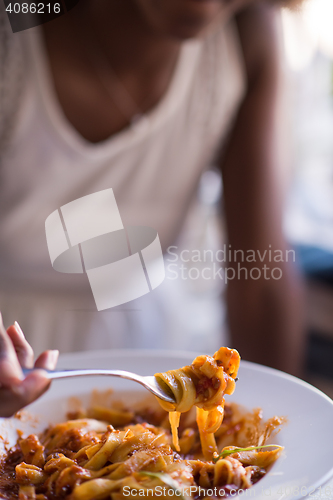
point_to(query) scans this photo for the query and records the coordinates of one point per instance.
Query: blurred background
(308, 38)
(308, 45)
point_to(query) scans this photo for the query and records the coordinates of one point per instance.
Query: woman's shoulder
(12, 75)
(9, 41)
(222, 56)
(222, 45)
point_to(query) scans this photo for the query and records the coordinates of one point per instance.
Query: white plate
(308, 437)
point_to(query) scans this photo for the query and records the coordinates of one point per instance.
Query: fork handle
(59, 374)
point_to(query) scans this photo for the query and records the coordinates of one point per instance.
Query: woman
(142, 96)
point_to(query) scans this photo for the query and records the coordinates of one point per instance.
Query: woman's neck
(109, 39)
(119, 29)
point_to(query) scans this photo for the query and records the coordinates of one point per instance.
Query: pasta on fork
(202, 384)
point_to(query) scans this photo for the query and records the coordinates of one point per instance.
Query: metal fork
(148, 382)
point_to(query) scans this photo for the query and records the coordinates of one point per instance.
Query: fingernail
(54, 357)
(19, 329)
(1, 322)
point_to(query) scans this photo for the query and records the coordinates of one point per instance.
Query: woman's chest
(153, 175)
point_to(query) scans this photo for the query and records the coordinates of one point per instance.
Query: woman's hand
(15, 354)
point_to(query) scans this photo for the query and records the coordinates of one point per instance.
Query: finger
(23, 349)
(47, 360)
(17, 397)
(10, 369)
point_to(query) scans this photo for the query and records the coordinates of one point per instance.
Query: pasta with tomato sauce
(107, 452)
(202, 384)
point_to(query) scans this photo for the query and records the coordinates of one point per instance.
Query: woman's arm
(264, 313)
(15, 354)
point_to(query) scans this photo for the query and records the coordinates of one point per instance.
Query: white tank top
(153, 167)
